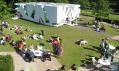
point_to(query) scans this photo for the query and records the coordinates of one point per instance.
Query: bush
(109, 21)
(6, 63)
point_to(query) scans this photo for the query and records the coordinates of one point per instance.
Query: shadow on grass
(90, 49)
(95, 47)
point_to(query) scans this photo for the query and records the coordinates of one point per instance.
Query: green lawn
(112, 16)
(72, 53)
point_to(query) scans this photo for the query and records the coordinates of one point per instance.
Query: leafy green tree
(4, 10)
(85, 4)
(102, 8)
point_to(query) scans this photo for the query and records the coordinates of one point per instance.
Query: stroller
(46, 55)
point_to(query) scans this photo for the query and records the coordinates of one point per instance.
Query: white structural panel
(53, 14)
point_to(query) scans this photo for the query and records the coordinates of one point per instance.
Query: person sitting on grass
(50, 40)
(29, 30)
(8, 38)
(2, 42)
(63, 68)
(103, 28)
(5, 24)
(17, 31)
(13, 43)
(73, 67)
(35, 36)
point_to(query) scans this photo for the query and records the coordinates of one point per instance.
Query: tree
(85, 4)
(4, 10)
(101, 8)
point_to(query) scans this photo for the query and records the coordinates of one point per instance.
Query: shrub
(6, 63)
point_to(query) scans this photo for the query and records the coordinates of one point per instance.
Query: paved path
(91, 29)
(38, 65)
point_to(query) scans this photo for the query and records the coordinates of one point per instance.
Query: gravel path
(90, 29)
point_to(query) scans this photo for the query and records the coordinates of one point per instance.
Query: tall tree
(85, 4)
(4, 10)
(101, 8)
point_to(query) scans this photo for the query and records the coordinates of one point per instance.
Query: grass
(112, 16)
(72, 53)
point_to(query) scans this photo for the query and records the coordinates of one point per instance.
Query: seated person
(39, 47)
(2, 42)
(17, 31)
(5, 24)
(28, 29)
(25, 49)
(20, 44)
(8, 38)
(50, 40)
(41, 36)
(13, 43)
(24, 38)
(103, 28)
(114, 26)
(35, 36)
(63, 68)
(73, 67)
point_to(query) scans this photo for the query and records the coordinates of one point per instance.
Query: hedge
(6, 63)
(109, 21)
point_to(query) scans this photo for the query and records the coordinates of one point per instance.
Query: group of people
(5, 39)
(105, 51)
(99, 26)
(57, 46)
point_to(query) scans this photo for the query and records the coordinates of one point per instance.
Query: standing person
(61, 45)
(59, 50)
(102, 46)
(106, 43)
(107, 54)
(42, 32)
(73, 67)
(54, 43)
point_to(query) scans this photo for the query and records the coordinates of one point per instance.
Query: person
(20, 28)
(29, 30)
(25, 49)
(54, 43)
(73, 67)
(107, 54)
(31, 56)
(103, 28)
(5, 24)
(102, 46)
(31, 47)
(42, 32)
(13, 43)
(8, 38)
(63, 68)
(4, 38)
(2, 42)
(59, 49)
(50, 40)
(41, 36)
(102, 56)
(113, 54)
(106, 43)
(35, 36)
